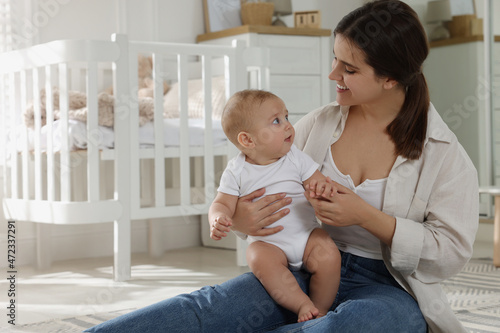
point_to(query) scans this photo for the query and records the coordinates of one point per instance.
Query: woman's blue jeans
(368, 300)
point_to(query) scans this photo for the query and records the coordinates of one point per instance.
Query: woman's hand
(343, 208)
(346, 208)
(252, 218)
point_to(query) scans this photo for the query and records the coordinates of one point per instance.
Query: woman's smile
(341, 88)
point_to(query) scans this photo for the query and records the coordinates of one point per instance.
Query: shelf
(459, 40)
(263, 29)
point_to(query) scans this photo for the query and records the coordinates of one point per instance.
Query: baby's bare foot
(320, 314)
(307, 312)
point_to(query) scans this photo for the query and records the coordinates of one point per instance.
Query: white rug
(474, 295)
(68, 325)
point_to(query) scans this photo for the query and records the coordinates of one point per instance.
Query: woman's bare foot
(307, 311)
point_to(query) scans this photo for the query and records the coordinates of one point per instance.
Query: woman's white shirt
(354, 239)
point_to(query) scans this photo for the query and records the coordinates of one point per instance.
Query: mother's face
(356, 80)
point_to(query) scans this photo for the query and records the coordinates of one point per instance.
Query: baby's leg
(270, 266)
(322, 259)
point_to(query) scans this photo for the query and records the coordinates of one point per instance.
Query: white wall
(164, 20)
(89, 19)
(177, 21)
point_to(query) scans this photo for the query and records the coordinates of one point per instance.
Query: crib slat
(92, 134)
(133, 119)
(65, 163)
(37, 141)
(159, 183)
(49, 109)
(229, 69)
(184, 130)
(14, 162)
(25, 141)
(238, 68)
(235, 71)
(125, 152)
(209, 151)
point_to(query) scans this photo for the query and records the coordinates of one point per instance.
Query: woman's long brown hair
(395, 44)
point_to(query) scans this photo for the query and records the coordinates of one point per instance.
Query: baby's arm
(220, 215)
(319, 185)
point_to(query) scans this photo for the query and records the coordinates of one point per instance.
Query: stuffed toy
(78, 108)
(78, 100)
(144, 78)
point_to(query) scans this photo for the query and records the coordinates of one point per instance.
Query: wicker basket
(257, 13)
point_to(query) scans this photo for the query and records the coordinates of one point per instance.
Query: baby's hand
(324, 188)
(220, 226)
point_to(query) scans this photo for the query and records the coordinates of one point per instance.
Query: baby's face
(272, 131)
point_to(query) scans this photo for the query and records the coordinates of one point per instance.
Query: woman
(406, 211)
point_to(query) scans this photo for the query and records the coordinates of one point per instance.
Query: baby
(257, 123)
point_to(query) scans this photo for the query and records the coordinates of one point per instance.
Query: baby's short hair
(239, 110)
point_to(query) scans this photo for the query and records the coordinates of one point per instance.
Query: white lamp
(439, 12)
(281, 7)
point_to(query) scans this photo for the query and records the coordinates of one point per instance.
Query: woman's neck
(384, 110)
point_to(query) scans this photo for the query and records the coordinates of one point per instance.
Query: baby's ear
(245, 140)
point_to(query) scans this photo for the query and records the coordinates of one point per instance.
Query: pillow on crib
(195, 99)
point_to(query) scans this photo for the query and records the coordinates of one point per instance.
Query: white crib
(54, 183)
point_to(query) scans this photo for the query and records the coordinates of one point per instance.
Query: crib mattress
(104, 136)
